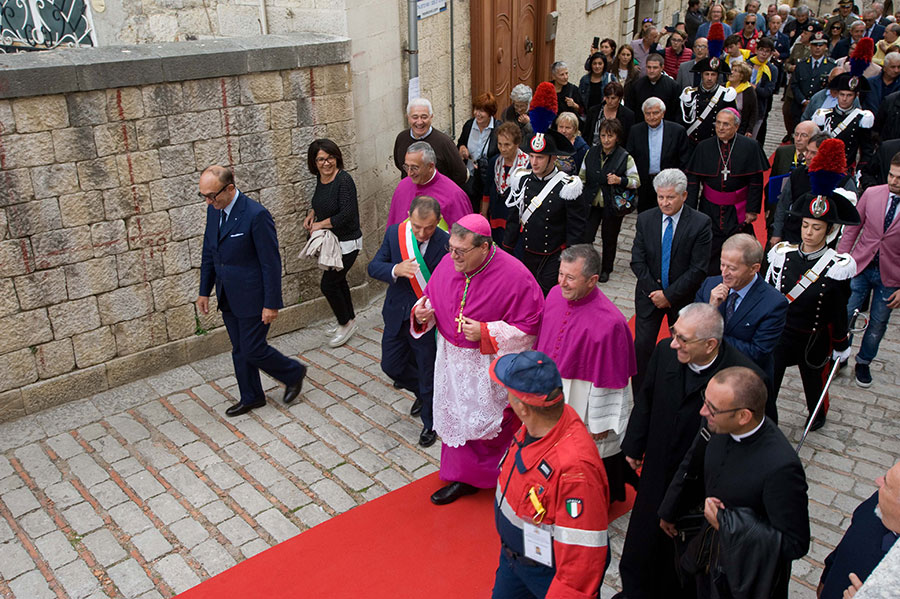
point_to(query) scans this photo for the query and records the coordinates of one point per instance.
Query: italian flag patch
(574, 507)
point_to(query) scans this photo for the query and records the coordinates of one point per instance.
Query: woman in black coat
(608, 173)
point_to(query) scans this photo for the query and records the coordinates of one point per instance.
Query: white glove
(843, 356)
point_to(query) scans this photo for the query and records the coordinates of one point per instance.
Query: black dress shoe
(819, 422)
(604, 277)
(397, 385)
(427, 437)
(452, 492)
(416, 408)
(292, 391)
(242, 408)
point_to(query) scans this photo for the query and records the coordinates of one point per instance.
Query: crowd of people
(494, 317)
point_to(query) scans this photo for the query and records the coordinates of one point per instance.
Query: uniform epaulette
(784, 247)
(819, 116)
(867, 119)
(730, 94)
(843, 268)
(517, 176)
(571, 189)
(687, 93)
(776, 256)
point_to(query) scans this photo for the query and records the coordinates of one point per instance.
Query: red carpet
(399, 545)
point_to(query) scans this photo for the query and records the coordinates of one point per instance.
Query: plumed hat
(711, 63)
(543, 108)
(715, 39)
(826, 202)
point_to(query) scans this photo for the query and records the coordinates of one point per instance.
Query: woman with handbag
(610, 177)
(477, 144)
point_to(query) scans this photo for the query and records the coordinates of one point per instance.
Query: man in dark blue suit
(754, 311)
(870, 536)
(411, 250)
(241, 259)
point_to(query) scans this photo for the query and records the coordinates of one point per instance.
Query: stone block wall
(100, 222)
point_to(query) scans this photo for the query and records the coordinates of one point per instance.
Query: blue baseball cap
(531, 376)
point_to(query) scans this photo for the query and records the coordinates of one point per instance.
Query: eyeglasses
(326, 159)
(681, 338)
(714, 411)
(647, 20)
(411, 168)
(212, 196)
(458, 252)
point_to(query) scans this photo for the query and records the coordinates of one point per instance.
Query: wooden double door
(508, 45)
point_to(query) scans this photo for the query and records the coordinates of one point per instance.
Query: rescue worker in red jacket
(552, 497)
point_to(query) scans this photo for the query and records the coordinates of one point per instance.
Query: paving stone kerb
(100, 224)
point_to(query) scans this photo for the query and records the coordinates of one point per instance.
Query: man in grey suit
(669, 258)
(685, 77)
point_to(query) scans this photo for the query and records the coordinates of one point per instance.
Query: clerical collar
(433, 175)
(698, 368)
(587, 297)
(739, 438)
(413, 135)
(813, 255)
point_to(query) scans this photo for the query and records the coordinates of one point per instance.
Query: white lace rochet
(467, 404)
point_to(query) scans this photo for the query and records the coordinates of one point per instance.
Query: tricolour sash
(409, 248)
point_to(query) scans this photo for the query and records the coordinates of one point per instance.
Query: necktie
(222, 220)
(730, 303)
(815, 65)
(666, 252)
(892, 211)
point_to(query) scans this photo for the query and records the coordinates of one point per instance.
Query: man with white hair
(420, 114)
(878, 7)
(656, 144)
(795, 27)
(842, 48)
(873, 29)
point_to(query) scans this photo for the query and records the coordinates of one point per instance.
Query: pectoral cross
(459, 321)
(725, 173)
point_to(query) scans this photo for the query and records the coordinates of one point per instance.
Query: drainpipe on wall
(263, 18)
(452, 76)
(412, 46)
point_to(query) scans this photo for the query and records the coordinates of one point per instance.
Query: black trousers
(250, 353)
(544, 267)
(647, 194)
(799, 349)
(336, 290)
(410, 362)
(610, 224)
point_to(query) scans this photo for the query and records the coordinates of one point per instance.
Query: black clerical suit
(674, 154)
(663, 423)
(761, 472)
(664, 88)
(734, 167)
(687, 270)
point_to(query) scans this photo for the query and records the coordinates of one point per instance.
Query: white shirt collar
(230, 205)
(675, 218)
(739, 438)
(411, 134)
(698, 368)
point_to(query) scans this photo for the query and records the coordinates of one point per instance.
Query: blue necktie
(222, 219)
(892, 211)
(730, 304)
(666, 252)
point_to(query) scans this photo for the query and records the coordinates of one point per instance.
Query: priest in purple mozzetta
(485, 304)
(425, 180)
(591, 344)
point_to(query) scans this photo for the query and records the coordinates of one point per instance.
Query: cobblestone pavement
(145, 490)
